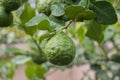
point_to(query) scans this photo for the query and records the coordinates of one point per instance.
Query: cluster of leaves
(92, 27)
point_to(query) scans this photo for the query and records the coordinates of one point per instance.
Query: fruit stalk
(62, 28)
(40, 50)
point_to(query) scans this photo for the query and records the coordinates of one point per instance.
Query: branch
(104, 51)
(6, 57)
(3, 76)
(114, 44)
(37, 44)
(86, 74)
(66, 26)
(44, 78)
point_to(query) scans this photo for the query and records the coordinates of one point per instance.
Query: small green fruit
(11, 5)
(43, 6)
(6, 18)
(60, 49)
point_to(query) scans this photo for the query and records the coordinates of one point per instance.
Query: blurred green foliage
(95, 30)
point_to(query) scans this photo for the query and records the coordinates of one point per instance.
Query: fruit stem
(62, 28)
(37, 44)
(87, 5)
(68, 24)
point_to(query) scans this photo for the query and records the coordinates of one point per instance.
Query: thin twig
(37, 44)
(96, 74)
(104, 51)
(85, 74)
(6, 57)
(3, 76)
(44, 78)
(65, 27)
(114, 44)
(68, 24)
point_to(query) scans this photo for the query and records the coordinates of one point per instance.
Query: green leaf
(55, 25)
(57, 9)
(102, 75)
(20, 59)
(112, 1)
(56, 21)
(36, 20)
(40, 71)
(73, 11)
(79, 13)
(95, 66)
(30, 30)
(14, 50)
(45, 25)
(115, 58)
(10, 74)
(95, 31)
(86, 15)
(30, 71)
(105, 12)
(72, 30)
(80, 33)
(10, 70)
(1, 64)
(27, 13)
(42, 37)
(83, 3)
(109, 33)
(23, 1)
(40, 22)
(69, 2)
(92, 1)
(29, 63)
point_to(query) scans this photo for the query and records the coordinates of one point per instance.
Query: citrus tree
(74, 32)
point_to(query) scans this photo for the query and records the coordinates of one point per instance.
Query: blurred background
(92, 61)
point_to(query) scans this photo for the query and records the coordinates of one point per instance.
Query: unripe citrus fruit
(6, 18)
(11, 5)
(60, 49)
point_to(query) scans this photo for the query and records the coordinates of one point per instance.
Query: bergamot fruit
(43, 6)
(60, 49)
(6, 18)
(11, 5)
